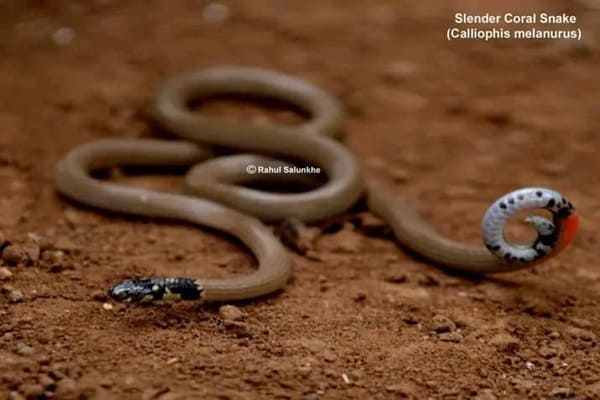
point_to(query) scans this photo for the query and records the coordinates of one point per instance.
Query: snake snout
(134, 291)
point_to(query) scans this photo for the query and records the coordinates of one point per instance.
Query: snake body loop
(215, 198)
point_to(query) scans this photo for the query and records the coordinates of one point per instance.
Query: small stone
(15, 296)
(399, 175)
(25, 350)
(561, 392)
(32, 391)
(485, 394)
(46, 381)
(402, 390)
(441, 324)
(582, 334)
(231, 313)
(329, 356)
(99, 295)
(66, 388)
(371, 225)
(12, 255)
(359, 296)
(395, 277)
(63, 36)
(505, 342)
(453, 337)
(38, 240)
(5, 274)
(172, 360)
(240, 329)
(582, 323)
(107, 306)
(427, 280)
(529, 365)
(399, 71)
(548, 352)
(215, 12)
(554, 335)
(53, 256)
(65, 244)
(32, 251)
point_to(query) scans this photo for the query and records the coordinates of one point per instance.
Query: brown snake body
(220, 202)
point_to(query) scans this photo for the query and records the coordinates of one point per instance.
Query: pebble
(441, 324)
(561, 392)
(15, 296)
(240, 329)
(5, 274)
(66, 244)
(32, 250)
(26, 350)
(32, 391)
(329, 356)
(582, 323)
(485, 394)
(46, 381)
(453, 337)
(402, 390)
(231, 313)
(578, 333)
(38, 239)
(359, 296)
(399, 175)
(548, 352)
(396, 277)
(371, 225)
(99, 295)
(172, 360)
(66, 388)
(12, 255)
(215, 12)
(53, 256)
(427, 280)
(399, 71)
(554, 335)
(505, 342)
(107, 306)
(63, 36)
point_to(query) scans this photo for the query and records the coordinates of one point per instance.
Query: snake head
(146, 290)
(543, 226)
(134, 291)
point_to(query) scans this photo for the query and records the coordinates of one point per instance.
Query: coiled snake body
(216, 199)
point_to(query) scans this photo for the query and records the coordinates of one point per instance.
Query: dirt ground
(448, 125)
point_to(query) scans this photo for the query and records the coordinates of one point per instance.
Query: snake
(222, 157)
